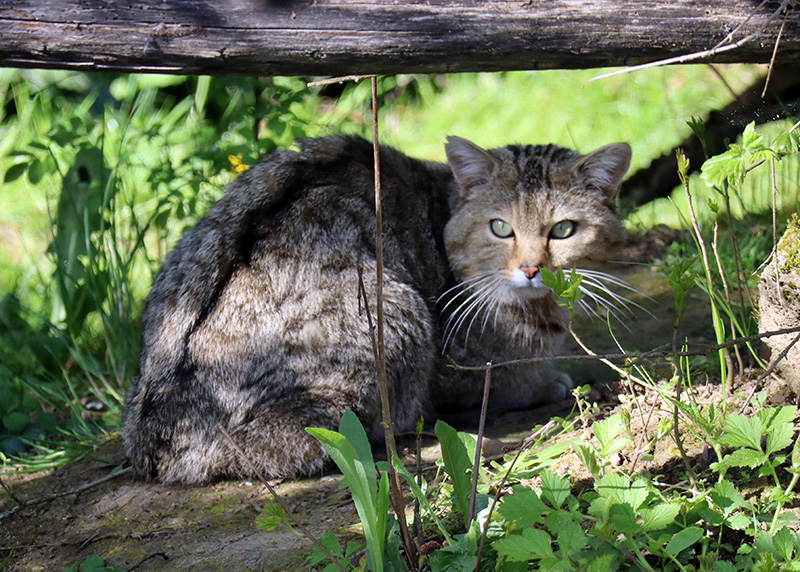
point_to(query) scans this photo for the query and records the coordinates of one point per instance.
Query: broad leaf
(684, 539)
(523, 508)
(530, 544)
(457, 464)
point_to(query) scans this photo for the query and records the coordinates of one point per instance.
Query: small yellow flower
(237, 165)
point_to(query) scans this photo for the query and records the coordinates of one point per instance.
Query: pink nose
(530, 271)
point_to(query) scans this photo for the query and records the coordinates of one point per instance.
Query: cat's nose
(529, 271)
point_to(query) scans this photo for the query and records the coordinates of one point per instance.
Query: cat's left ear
(471, 165)
(605, 168)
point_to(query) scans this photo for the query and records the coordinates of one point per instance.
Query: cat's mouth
(528, 285)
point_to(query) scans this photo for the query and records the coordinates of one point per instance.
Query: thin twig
(774, 54)
(54, 496)
(542, 431)
(676, 409)
(769, 370)
(295, 521)
(775, 266)
(487, 384)
(342, 79)
(146, 558)
(638, 447)
(396, 491)
(718, 49)
(653, 354)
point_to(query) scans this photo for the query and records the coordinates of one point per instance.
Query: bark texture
(337, 37)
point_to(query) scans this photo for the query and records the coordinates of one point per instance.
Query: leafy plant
(350, 450)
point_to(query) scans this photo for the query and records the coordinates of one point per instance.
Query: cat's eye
(501, 228)
(563, 229)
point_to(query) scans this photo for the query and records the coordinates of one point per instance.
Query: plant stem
(487, 384)
(380, 357)
(718, 327)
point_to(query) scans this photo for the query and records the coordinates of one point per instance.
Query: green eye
(501, 228)
(563, 229)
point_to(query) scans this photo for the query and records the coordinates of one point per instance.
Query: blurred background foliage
(102, 173)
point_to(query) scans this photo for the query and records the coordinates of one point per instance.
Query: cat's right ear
(471, 165)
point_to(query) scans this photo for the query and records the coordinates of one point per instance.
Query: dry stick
(487, 384)
(676, 409)
(640, 445)
(418, 467)
(342, 79)
(391, 446)
(718, 49)
(775, 266)
(295, 521)
(769, 370)
(774, 53)
(542, 431)
(54, 496)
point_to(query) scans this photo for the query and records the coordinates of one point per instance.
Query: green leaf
(624, 519)
(660, 516)
(571, 539)
(554, 488)
(588, 457)
(16, 422)
(606, 431)
(784, 541)
(743, 431)
(619, 489)
(458, 557)
(457, 464)
(779, 432)
(328, 541)
(529, 544)
(566, 288)
(727, 497)
(420, 496)
(601, 564)
(745, 458)
(14, 172)
(738, 522)
(523, 508)
(271, 517)
(684, 539)
(35, 172)
(360, 476)
(682, 279)
(751, 140)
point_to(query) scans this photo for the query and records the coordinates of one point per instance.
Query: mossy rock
(779, 303)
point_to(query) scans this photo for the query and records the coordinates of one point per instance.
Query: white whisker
(596, 286)
(474, 303)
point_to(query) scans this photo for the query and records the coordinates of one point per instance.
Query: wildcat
(254, 321)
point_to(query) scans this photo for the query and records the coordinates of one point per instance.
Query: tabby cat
(255, 323)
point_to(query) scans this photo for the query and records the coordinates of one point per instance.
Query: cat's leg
(526, 387)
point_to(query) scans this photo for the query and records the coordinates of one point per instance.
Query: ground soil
(146, 526)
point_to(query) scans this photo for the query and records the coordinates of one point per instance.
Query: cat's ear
(605, 168)
(471, 165)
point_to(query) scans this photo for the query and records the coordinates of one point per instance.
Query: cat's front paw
(562, 386)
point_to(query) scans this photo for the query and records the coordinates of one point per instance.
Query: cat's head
(523, 208)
